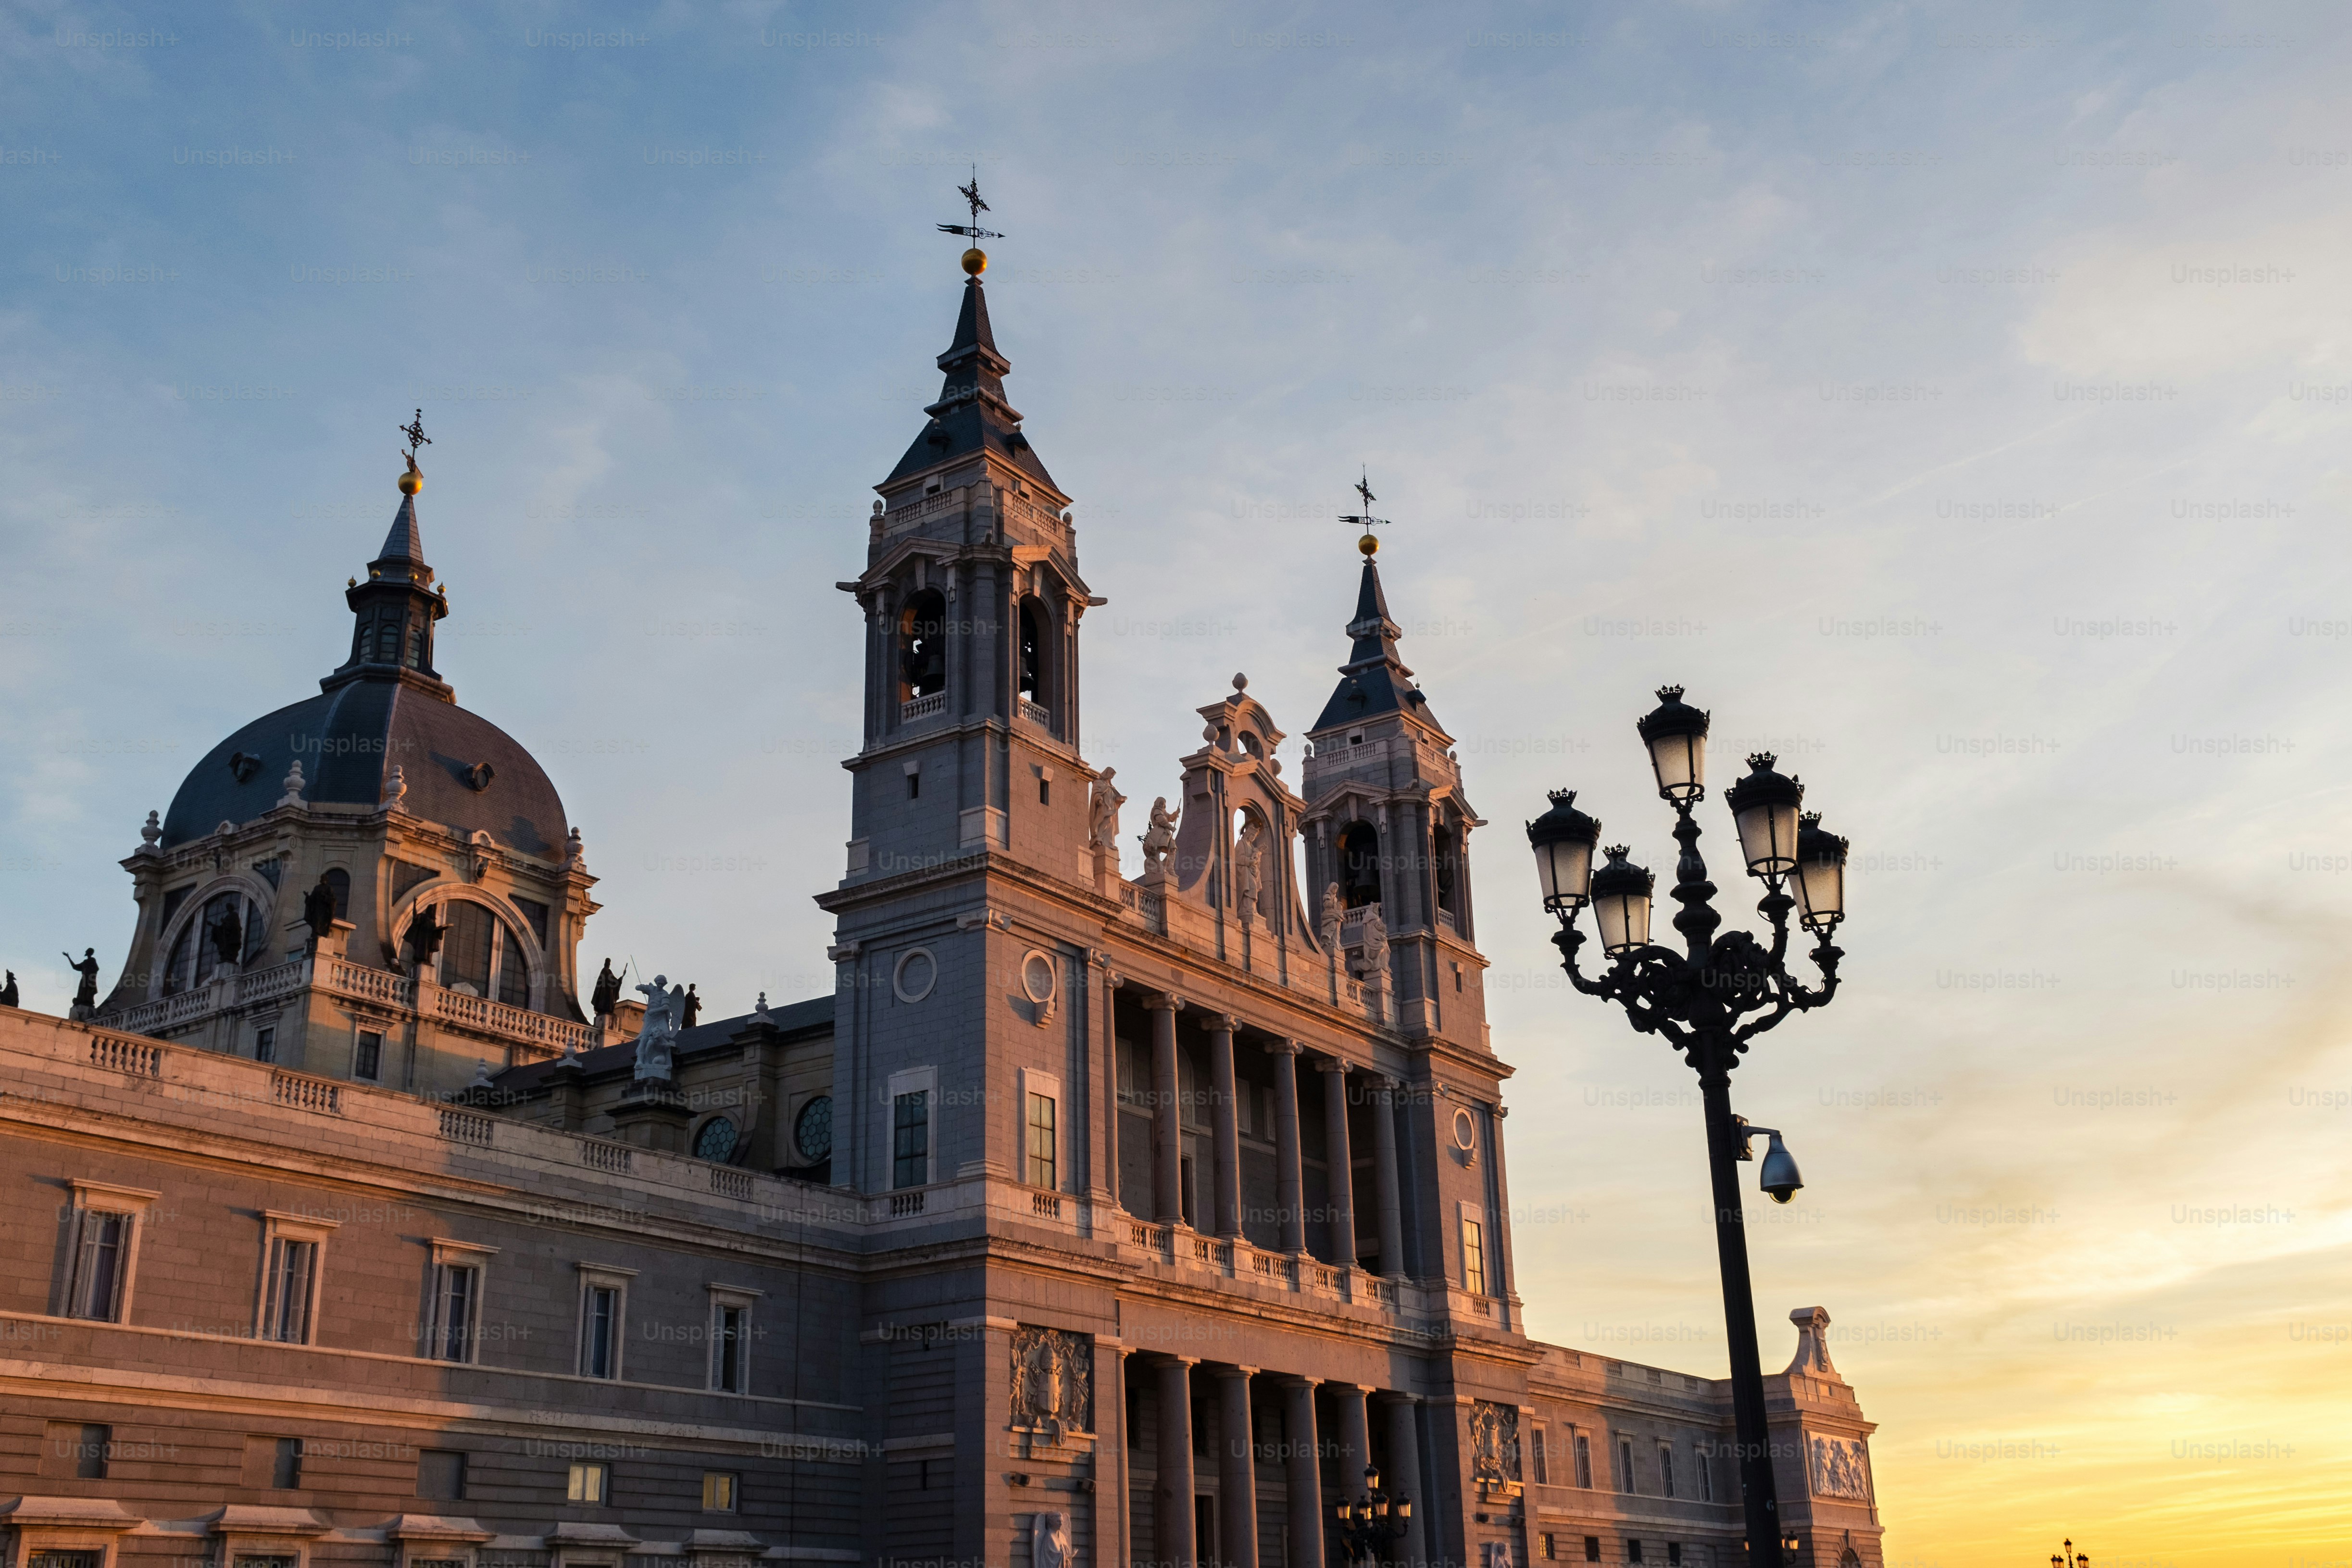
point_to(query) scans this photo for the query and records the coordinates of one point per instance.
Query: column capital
(1298, 1380)
(1233, 1372)
(1167, 1359)
(1163, 1001)
(1221, 1023)
(1332, 1064)
(1398, 1396)
(1285, 1048)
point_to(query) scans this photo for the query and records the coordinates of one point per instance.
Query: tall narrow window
(264, 1044)
(93, 1448)
(292, 1276)
(730, 1331)
(601, 1339)
(1033, 651)
(99, 1263)
(1583, 1461)
(1359, 865)
(922, 646)
(1473, 1256)
(1041, 1141)
(1624, 1464)
(911, 1140)
(387, 640)
(1543, 1466)
(1665, 1469)
(1705, 1476)
(455, 1303)
(514, 970)
(466, 947)
(416, 647)
(367, 1056)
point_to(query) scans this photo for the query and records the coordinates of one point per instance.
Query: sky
(1953, 398)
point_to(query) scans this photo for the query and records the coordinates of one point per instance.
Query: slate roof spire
(972, 414)
(1374, 680)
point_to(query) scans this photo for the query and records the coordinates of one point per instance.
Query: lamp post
(1373, 1521)
(2072, 1559)
(1709, 999)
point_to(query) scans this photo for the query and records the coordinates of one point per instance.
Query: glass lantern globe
(1562, 839)
(1621, 903)
(1820, 882)
(1764, 809)
(1676, 733)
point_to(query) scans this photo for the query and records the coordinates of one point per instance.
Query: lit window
(588, 1483)
(1474, 1257)
(718, 1491)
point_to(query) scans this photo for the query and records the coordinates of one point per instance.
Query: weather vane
(1365, 519)
(975, 260)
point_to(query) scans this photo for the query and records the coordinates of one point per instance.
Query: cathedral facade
(1090, 1219)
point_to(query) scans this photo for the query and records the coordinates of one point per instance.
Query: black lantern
(1676, 733)
(1372, 1521)
(1621, 903)
(1820, 882)
(1764, 809)
(1562, 839)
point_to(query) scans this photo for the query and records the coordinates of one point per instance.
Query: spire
(1374, 680)
(405, 543)
(972, 414)
(395, 606)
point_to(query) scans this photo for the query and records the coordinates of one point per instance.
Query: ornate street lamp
(2072, 1559)
(1711, 997)
(1373, 1521)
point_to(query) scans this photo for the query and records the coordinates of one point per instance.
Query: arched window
(465, 946)
(387, 640)
(338, 882)
(196, 953)
(923, 645)
(416, 645)
(1034, 647)
(514, 970)
(1359, 865)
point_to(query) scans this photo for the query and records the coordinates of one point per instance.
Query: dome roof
(348, 739)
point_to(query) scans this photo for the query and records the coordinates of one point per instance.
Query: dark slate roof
(1374, 680)
(406, 541)
(972, 414)
(348, 739)
(530, 1077)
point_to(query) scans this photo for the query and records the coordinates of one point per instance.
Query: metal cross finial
(414, 431)
(971, 194)
(1363, 483)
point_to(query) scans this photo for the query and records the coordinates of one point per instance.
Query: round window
(813, 1132)
(1465, 1130)
(1037, 977)
(716, 1142)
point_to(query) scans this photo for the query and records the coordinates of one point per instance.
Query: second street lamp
(1709, 999)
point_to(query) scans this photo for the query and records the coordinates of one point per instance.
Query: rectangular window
(292, 1278)
(367, 1056)
(1624, 1464)
(588, 1484)
(1706, 1477)
(1543, 1460)
(1592, 1549)
(1041, 1141)
(285, 1465)
(911, 1140)
(1473, 1256)
(730, 1364)
(601, 1335)
(1583, 1461)
(264, 1044)
(718, 1491)
(1633, 1552)
(914, 784)
(457, 1298)
(1550, 1551)
(100, 1257)
(441, 1475)
(1674, 1554)
(1665, 1469)
(92, 1449)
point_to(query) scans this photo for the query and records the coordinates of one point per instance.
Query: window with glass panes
(1041, 1141)
(911, 1140)
(286, 1306)
(101, 1254)
(457, 1297)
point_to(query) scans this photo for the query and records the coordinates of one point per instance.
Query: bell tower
(971, 600)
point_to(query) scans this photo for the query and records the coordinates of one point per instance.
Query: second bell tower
(971, 597)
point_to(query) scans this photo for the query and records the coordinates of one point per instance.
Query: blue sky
(1953, 398)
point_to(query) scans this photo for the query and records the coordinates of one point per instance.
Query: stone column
(1114, 1454)
(1236, 1471)
(1404, 1477)
(1355, 1437)
(1342, 1159)
(1172, 1493)
(1289, 1183)
(1102, 1103)
(1229, 1137)
(1302, 1468)
(1384, 1155)
(1167, 1128)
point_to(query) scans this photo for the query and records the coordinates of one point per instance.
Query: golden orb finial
(411, 483)
(1369, 546)
(975, 262)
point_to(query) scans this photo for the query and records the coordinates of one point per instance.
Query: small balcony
(928, 706)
